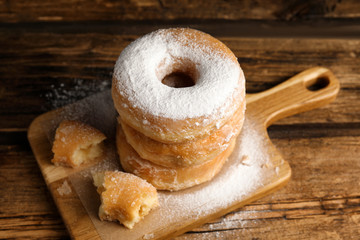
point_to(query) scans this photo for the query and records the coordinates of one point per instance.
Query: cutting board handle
(307, 90)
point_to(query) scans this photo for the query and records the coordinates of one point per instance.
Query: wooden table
(56, 52)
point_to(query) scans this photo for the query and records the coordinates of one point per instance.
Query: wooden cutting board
(253, 170)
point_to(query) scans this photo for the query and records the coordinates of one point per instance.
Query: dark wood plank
(69, 67)
(77, 10)
(331, 28)
(27, 209)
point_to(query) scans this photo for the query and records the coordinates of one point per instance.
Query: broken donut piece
(75, 143)
(124, 197)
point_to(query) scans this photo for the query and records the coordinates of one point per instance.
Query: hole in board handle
(317, 84)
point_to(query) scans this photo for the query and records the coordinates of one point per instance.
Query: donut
(187, 153)
(165, 178)
(175, 114)
(76, 143)
(124, 197)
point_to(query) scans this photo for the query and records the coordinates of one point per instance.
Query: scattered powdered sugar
(253, 146)
(242, 175)
(145, 62)
(148, 236)
(64, 189)
(245, 160)
(225, 189)
(239, 219)
(96, 110)
(277, 170)
(63, 94)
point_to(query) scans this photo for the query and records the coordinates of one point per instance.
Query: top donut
(168, 114)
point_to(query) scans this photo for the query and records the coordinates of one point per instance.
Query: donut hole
(177, 73)
(178, 80)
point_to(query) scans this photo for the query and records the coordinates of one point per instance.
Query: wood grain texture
(69, 67)
(27, 208)
(47, 61)
(73, 212)
(76, 10)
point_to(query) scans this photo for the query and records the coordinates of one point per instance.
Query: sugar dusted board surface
(253, 170)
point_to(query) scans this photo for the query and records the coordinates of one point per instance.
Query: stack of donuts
(180, 95)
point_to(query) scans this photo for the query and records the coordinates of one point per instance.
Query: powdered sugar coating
(187, 153)
(145, 62)
(167, 178)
